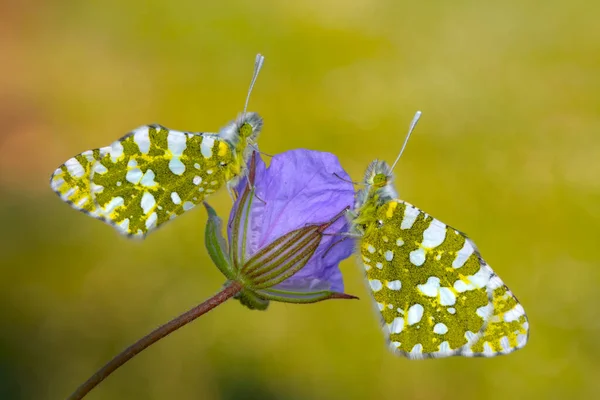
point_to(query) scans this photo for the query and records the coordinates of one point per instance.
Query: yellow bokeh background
(508, 150)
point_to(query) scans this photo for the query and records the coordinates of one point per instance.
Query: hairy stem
(230, 290)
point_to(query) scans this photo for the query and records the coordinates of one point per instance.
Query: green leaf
(216, 244)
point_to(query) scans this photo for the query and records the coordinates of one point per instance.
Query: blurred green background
(508, 150)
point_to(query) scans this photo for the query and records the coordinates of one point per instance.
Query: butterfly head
(378, 175)
(242, 134)
(378, 178)
(248, 127)
(378, 186)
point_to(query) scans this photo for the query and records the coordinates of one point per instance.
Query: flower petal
(300, 187)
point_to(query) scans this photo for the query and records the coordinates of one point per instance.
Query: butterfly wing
(146, 178)
(437, 297)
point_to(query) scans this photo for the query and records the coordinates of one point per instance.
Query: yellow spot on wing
(222, 149)
(390, 211)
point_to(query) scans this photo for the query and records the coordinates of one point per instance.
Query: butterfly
(434, 292)
(153, 174)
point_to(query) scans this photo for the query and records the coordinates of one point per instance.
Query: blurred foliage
(507, 150)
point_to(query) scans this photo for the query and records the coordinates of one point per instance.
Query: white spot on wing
(115, 151)
(495, 282)
(175, 197)
(487, 350)
(134, 175)
(447, 297)
(188, 205)
(415, 313)
(148, 179)
(206, 146)
(99, 168)
(89, 155)
(394, 285)
(389, 255)
(375, 284)
(410, 216)
(505, 344)
(417, 257)
(514, 314)
(151, 221)
(463, 255)
(74, 168)
(82, 201)
(417, 350)
(397, 325)
(481, 277)
(431, 287)
(440, 328)
(142, 139)
(176, 143)
(197, 180)
(124, 225)
(371, 249)
(148, 202)
(486, 311)
(461, 286)
(434, 235)
(522, 338)
(444, 348)
(57, 181)
(68, 193)
(113, 203)
(176, 166)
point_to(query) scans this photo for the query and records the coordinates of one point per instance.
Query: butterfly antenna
(258, 63)
(346, 180)
(255, 147)
(410, 129)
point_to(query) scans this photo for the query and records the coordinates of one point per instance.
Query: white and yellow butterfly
(436, 295)
(153, 174)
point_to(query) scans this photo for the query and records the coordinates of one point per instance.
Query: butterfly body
(436, 295)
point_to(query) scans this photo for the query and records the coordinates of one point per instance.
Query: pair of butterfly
(435, 294)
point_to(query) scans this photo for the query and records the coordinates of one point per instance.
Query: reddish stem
(230, 290)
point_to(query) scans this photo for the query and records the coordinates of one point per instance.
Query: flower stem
(230, 290)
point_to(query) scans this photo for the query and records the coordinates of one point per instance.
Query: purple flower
(285, 226)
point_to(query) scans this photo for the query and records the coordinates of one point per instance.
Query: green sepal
(216, 244)
(251, 300)
(301, 297)
(281, 259)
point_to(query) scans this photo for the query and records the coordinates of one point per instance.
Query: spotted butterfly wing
(436, 295)
(153, 174)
